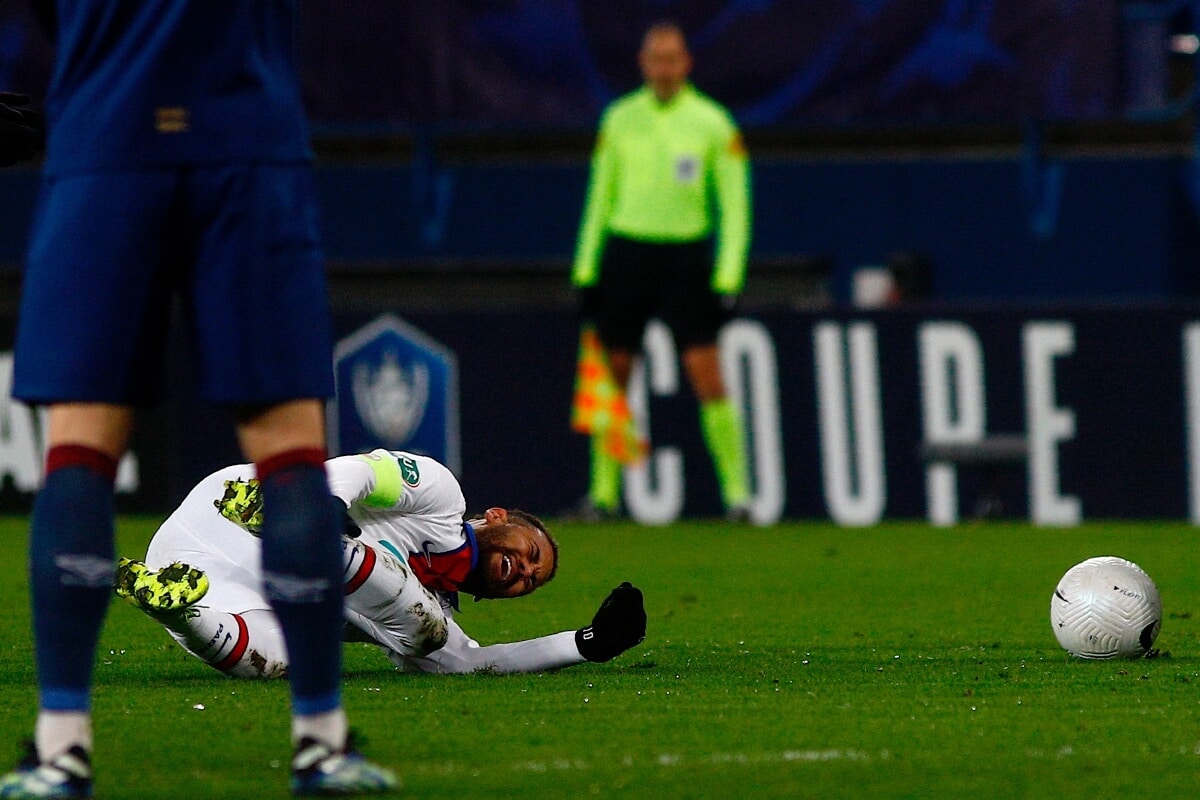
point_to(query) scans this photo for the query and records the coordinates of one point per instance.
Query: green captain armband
(389, 483)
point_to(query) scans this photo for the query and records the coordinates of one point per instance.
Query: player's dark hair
(530, 521)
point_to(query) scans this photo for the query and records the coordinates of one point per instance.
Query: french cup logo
(397, 388)
(390, 399)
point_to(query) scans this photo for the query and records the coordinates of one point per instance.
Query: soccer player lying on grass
(406, 555)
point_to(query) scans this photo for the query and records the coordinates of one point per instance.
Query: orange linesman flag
(600, 406)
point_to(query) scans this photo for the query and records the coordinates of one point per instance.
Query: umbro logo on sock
(294, 588)
(82, 570)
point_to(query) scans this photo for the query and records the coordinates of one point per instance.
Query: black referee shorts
(670, 281)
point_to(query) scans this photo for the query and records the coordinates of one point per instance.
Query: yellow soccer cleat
(175, 587)
(128, 571)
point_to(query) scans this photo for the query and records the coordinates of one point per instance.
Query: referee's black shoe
(739, 515)
(587, 511)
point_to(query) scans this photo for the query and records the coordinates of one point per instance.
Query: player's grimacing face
(514, 559)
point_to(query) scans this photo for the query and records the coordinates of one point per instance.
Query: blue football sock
(302, 574)
(71, 572)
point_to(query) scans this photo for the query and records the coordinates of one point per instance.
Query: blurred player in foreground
(178, 168)
(407, 554)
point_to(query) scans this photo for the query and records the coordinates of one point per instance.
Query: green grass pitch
(799, 661)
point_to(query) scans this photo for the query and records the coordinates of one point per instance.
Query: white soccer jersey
(461, 653)
(414, 506)
(411, 506)
(406, 504)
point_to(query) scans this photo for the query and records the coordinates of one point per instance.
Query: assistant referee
(664, 234)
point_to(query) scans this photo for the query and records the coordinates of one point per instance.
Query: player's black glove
(619, 625)
(346, 524)
(20, 129)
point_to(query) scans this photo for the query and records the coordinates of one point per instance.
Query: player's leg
(302, 578)
(260, 314)
(91, 325)
(625, 301)
(721, 425)
(696, 317)
(388, 603)
(604, 480)
(71, 553)
(301, 558)
(248, 644)
(384, 600)
(202, 581)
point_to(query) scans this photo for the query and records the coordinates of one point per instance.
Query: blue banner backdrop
(556, 63)
(838, 407)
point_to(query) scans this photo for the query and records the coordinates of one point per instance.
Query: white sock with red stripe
(250, 644)
(358, 563)
(245, 645)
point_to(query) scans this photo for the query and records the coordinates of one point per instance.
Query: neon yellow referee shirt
(663, 172)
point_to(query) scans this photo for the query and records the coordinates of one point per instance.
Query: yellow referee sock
(723, 434)
(605, 488)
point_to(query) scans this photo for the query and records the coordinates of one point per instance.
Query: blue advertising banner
(396, 389)
(378, 64)
(1056, 414)
(861, 417)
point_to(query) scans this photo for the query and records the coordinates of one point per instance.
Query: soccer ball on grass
(1106, 607)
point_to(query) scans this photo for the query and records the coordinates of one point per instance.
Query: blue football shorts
(235, 250)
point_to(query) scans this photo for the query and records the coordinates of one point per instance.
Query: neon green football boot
(175, 587)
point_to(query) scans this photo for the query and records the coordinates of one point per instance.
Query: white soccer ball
(1106, 607)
